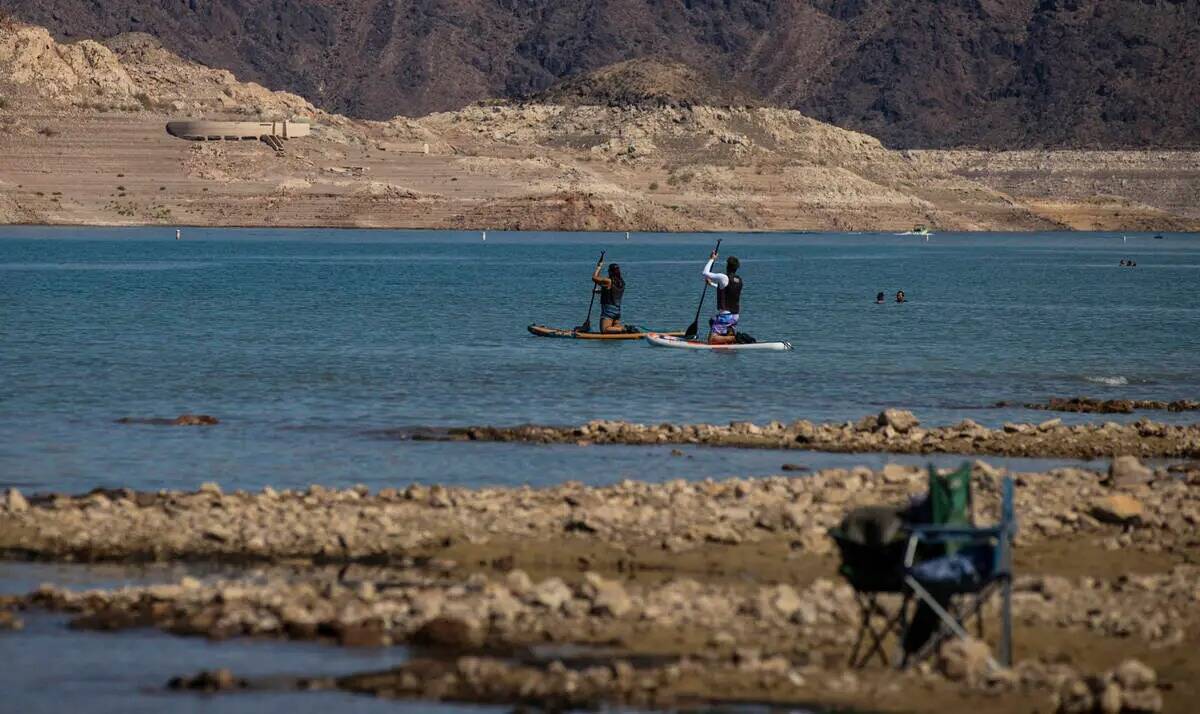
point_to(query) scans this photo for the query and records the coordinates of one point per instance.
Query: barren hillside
(915, 73)
(647, 82)
(634, 147)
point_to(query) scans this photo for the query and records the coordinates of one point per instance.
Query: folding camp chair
(942, 567)
(955, 587)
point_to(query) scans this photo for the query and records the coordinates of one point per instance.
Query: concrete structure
(199, 130)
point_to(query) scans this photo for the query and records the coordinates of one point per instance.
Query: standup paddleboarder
(722, 326)
(612, 289)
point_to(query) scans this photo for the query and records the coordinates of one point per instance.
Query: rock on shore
(181, 420)
(1088, 405)
(393, 525)
(892, 431)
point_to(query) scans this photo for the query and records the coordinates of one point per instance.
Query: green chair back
(950, 501)
(950, 497)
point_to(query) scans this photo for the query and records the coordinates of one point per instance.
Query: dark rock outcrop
(1088, 405)
(1002, 73)
(181, 420)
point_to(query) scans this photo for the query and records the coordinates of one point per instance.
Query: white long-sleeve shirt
(717, 280)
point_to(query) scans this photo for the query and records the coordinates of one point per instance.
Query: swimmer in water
(879, 298)
(900, 296)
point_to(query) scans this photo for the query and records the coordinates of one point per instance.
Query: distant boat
(178, 234)
(485, 235)
(626, 235)
(917, 231)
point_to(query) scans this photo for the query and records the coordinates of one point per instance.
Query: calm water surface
(303, 342)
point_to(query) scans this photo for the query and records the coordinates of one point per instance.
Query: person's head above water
(731, 265)
(614, 274)
(879, 297)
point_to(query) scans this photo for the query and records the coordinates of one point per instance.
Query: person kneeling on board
(722, 327)
(612, 289)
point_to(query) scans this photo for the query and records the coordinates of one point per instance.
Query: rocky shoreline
(677, 592)
(418, 522)
(1087, 405)
(892, 431)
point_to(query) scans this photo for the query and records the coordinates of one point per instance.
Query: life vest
(730, 297)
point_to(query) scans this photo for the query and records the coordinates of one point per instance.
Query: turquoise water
(306, 342)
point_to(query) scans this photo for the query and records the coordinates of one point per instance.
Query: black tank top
(612, 295)
(730, 297)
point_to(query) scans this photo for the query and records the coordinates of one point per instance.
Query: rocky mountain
(641, 145)
(647, 82)
(915, 73)
(130, 72)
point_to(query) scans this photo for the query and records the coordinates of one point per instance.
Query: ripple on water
(122, 267)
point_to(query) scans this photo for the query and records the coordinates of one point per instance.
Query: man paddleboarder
(722, 326)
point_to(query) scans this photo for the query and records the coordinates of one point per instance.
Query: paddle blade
(585, 327)
(690, 332)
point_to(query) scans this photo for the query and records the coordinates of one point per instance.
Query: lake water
(305, 342)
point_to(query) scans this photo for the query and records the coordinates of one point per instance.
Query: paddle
(587, 324)
(692, 328)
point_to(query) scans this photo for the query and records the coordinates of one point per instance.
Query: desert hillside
(917, 74)
(647, 145)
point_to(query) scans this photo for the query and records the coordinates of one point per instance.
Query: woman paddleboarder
(612, 289)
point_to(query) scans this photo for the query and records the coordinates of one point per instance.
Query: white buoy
(1124, 239)
(485, 235)
(626, 235)
(177, 234)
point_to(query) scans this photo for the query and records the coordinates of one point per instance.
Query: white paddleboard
(659, 340)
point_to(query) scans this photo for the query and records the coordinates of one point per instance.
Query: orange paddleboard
(543, 331)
